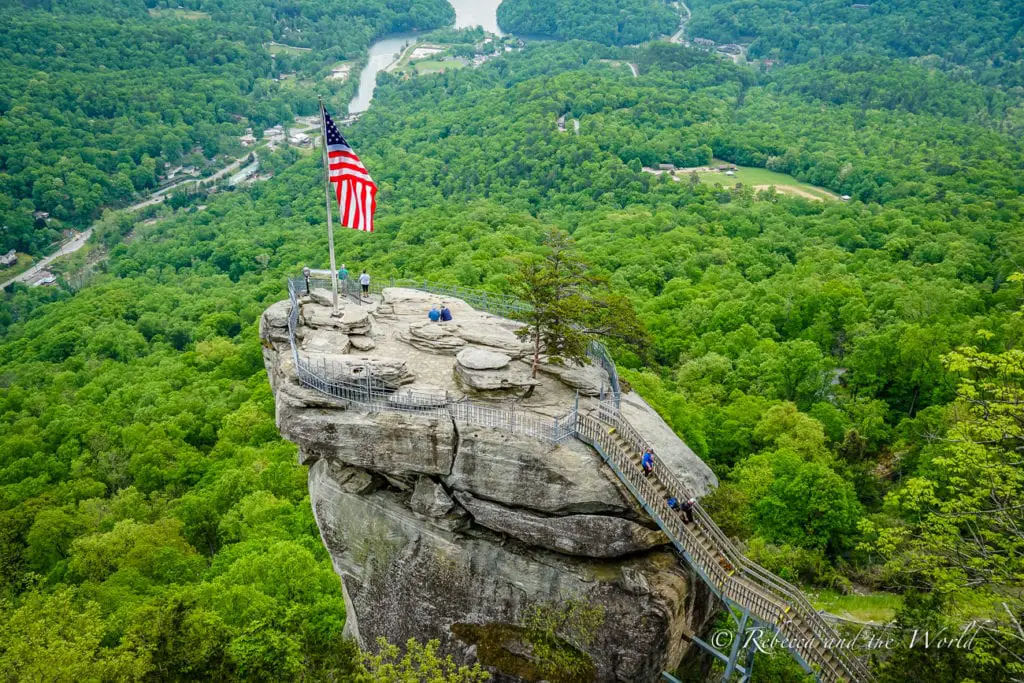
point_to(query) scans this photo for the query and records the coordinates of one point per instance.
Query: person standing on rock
(364, 280)
(343, 278)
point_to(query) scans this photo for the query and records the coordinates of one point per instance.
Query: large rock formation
(443, 529)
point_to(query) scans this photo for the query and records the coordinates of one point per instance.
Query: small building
(247, 140)
(666, 167)
(68, 234)
(9, 259)
(846, 197)
(859, 5)
(274, 133)
(300, 139)
(730, 173)
(704, 42)
(41, 215)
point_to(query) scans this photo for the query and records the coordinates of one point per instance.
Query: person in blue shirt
(647, 462)
(673, 503)
(446, 315)
(434, 314)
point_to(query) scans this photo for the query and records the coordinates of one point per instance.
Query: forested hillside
(851, 370)
(983, 36)
(615, 22)
(96, 97)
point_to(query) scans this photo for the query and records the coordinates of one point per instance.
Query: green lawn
(276, 49)
(761, 176)
(178, 14)
(435, 66)
(23, 263)
(879, 608)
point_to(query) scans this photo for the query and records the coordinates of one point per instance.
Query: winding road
(680, 35)
(79, 240)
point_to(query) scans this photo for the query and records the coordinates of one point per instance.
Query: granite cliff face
(442, 529)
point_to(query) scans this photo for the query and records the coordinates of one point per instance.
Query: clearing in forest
(727, 175)
(188, 14)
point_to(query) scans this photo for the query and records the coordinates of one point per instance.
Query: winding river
(385, 51)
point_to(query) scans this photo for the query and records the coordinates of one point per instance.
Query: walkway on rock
(756, 593)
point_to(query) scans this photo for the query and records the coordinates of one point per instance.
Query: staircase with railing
(769, 600)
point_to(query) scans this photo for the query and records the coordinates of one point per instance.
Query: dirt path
(796, 192)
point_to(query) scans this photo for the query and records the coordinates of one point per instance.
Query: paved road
(67, 248)
(79, 241)
(680, 35)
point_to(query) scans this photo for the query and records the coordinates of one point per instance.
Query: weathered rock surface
(493, 380)
(430, 498)
(582, 535)
(519, 471)
(406, 576)
(590, 380)
(475, 358)
(443, 528)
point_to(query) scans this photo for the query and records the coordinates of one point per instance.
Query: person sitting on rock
(647, 462)
(446, 315)
(434, 314)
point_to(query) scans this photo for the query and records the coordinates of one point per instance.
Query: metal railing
(358, 384)
(742, 574)
(720, 563)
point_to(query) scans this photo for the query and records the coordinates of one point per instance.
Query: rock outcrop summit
(445, 529)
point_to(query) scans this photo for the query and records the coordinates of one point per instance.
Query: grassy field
(278, 48)
(879, 608)
(178, 14)
(759, 178)
(23, 263)
(435, 66)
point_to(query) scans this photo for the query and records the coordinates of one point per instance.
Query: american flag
(355, 189)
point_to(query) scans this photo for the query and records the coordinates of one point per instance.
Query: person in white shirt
(364, 280)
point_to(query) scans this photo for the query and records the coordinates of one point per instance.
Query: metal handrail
(730, 580)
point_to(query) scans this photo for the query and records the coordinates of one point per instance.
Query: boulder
(323, 296)
(362, 343)
(429, 498)
(494, 380)
(419, 396)
(486, 333)
(324, 342)
(582, 535)
(353, 319)
(588, 379)
(524, 472)
(274, 322)
(434, 337)
(391, 372)
(474, 358)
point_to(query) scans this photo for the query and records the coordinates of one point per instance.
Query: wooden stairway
(771, 602)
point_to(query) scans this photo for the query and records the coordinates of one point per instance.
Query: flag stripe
(355, 190)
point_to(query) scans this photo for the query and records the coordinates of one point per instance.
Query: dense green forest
(982, 36)
(851, 370)
(619, 22)
(96, 98)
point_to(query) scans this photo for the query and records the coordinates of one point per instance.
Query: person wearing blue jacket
(434, 315)
(647, 462)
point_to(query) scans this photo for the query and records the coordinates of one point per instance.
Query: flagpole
(327, 198)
